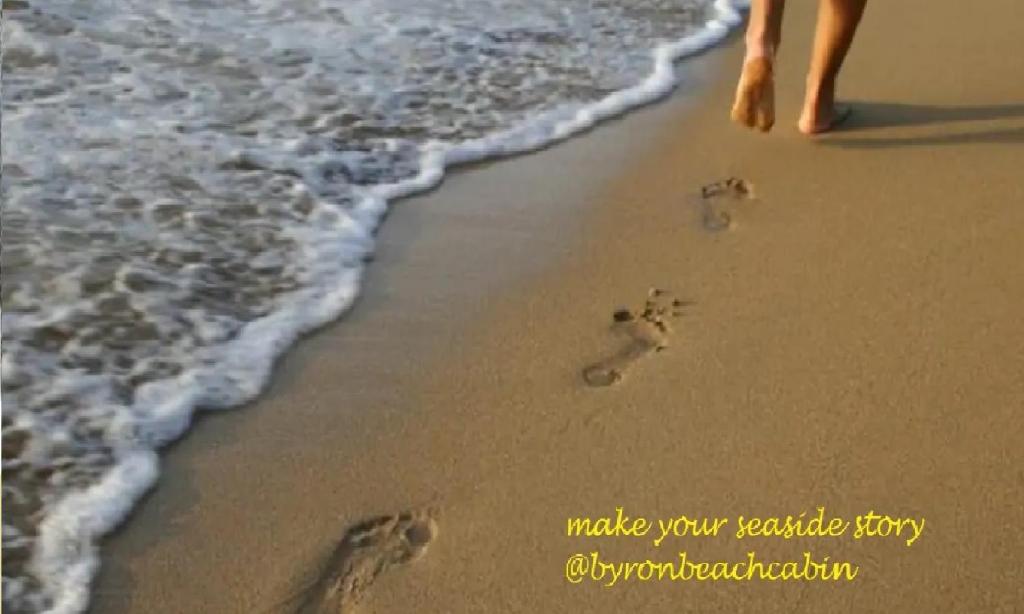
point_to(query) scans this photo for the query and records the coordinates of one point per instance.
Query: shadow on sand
(872, 115)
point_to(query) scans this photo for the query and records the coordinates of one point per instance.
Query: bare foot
(820, 112)
(817, 121)
(755, 95)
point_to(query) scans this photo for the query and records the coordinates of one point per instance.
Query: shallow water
(189, 186)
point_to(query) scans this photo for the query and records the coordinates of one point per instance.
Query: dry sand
(855, 341)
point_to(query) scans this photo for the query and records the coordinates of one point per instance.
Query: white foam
(554, 126)
(234, 372)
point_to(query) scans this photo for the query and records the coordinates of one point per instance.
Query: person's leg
(837, 23)
(755, 94)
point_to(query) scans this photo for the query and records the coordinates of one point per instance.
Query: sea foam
(173, 291)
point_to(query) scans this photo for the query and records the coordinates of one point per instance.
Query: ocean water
(188, 186)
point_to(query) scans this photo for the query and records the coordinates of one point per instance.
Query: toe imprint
(646, 331)
(719, 200)
(367, 550)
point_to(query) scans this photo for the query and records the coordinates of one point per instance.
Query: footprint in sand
(646, 331)
(718, 202)
(367, 550)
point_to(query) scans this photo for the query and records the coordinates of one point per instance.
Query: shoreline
(239, 367)
(420, 293)
(848, 341)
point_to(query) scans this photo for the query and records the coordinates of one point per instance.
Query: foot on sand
(366, 551)
(825, 121)
(754, 106)
(718, 198)
(646, 331)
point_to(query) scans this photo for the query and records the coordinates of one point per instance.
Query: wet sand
(844, 332)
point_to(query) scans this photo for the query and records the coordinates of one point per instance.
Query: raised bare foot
(755, 94)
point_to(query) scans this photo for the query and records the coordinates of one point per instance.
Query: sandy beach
(838, 326)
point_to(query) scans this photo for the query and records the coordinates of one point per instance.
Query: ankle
(759, 46)
(820, 93)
